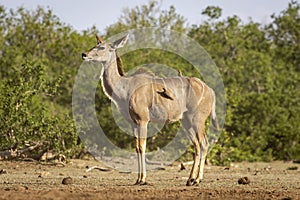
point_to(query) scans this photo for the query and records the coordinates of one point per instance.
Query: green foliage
(259, 66)
(213, 12)
(34, 74)
(40, 56)
(40, 37)
(25, 117)
(148, 16)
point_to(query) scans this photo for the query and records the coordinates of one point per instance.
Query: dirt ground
(33, 180)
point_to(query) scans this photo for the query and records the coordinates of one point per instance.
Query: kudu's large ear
(99, 39)
(120, 42)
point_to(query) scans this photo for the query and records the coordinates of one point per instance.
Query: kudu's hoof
(141, 183)
(190, 182)
(195, 183)
(137, 183)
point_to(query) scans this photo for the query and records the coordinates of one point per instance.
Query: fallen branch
(184, 164)
(188, 163)
(103, 169)
(12, 154)
(37, 145)
(149, 162)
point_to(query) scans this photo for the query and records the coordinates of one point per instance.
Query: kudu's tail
(213, 112)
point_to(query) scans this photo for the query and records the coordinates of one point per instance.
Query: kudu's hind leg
(195, 168)
(191, 131)
(203, 152)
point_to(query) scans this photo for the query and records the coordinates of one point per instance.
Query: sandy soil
(32, 180)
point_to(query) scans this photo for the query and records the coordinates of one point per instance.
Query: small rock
(43, 174)
(245, 180)
(20, 188)
(292, 168)
(268, 168)
(182, 167)
(67, 181)
(48, 156)
(3, 171)
(287, 198)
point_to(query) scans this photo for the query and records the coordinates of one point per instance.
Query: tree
(32, 111)
(259, 68)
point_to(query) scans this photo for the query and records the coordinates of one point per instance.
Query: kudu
(142, 98)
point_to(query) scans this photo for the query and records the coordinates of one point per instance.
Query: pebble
(67, 181)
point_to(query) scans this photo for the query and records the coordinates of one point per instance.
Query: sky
(82, 15)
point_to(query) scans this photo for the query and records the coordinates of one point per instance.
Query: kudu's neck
(111, 78)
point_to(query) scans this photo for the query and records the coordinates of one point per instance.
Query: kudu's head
(103, 52)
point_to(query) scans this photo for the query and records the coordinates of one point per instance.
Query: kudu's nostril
(83, 55)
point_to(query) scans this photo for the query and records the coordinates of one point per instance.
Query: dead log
(12, 154)
(103, 169)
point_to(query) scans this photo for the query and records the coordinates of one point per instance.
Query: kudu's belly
(166, 112)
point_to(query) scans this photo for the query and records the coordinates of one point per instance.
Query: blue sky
(102, 13)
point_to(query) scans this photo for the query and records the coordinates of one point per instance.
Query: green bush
(26, 119)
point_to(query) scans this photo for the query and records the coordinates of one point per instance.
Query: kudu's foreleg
(140, 143)
(138, 153)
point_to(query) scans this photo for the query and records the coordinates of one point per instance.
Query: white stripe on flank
(202, 92)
